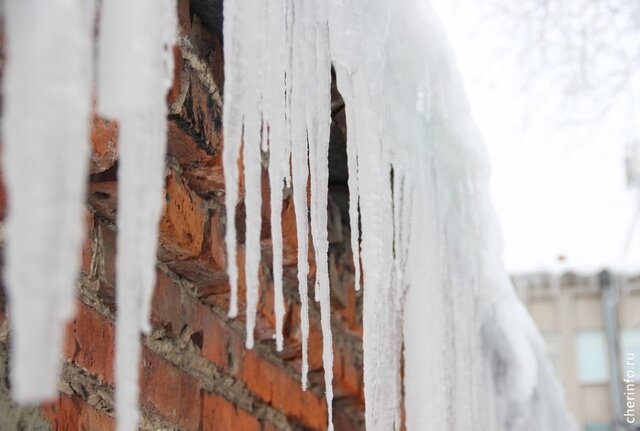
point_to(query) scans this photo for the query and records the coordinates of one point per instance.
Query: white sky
(558, 191)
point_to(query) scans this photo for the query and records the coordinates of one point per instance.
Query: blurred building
(591, 325)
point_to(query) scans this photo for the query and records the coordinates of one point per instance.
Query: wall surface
(196, 373)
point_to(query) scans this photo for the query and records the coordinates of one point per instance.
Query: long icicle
(276, 113)
(46, 117)
(254, 131)
(134, 79)
(232, 125)
(352, 182)
(319, 162)
(300, 175)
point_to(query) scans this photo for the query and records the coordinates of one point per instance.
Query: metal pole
(610, 319)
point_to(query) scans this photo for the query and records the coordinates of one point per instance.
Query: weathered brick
(170, 392)
(289, 232)
(72, 413)
(277, 387)
(182, 224)
(268, 426)
(3, 193)
(106, 264)
(174, 92)
(104, 145)
(347, 377)
(315, 345)
(219, 341)
(218, 250)
(89, 343)
(208, 46)
(87, 244)
(184, 16)
(201, 113)
(201, 165)
(220, 414)
(103, 193)
(210, 284)
(166, 305)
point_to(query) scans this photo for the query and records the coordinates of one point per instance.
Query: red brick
(209, 283)
(268, 426)
(89, 343)
(347, 377)
(182, 224)
(220, 414)
(276, 387)
(218, 247)
(290, 240)
(108, 239)
(103, 193)
(218, 338)
(166, 305)
(209, 48)
(72, 413)
(170, 392)
(104, 145)
(3, 194)
(176, 311)
(184, 16)
(315, 345)
(201, 168)
(174, 92)
(87, 244)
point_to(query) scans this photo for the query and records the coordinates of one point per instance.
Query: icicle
(254, 16)
(354, 197)
(47, 106)
(432, 276)
(232, 124)
(300, 173)
(136, 68)
(319, 165)
(359, 80)
(276, 113)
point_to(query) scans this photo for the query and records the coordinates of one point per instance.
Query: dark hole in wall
(210, 12)
(338, 167)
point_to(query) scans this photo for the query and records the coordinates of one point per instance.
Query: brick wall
(196, 373)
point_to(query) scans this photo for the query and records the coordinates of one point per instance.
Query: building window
(597, 427)
(630, 353)
(554, 347)
(592, 357)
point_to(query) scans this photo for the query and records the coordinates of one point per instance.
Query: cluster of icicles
(48, 91)
(436, 297)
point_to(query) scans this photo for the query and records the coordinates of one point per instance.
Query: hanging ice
(472, 357)
(47, 106)
(318, 130)
(433, 280)
(276, 115)
(136, 70)
(288, 105)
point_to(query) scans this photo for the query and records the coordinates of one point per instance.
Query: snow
(45, 153)
(135, 71)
